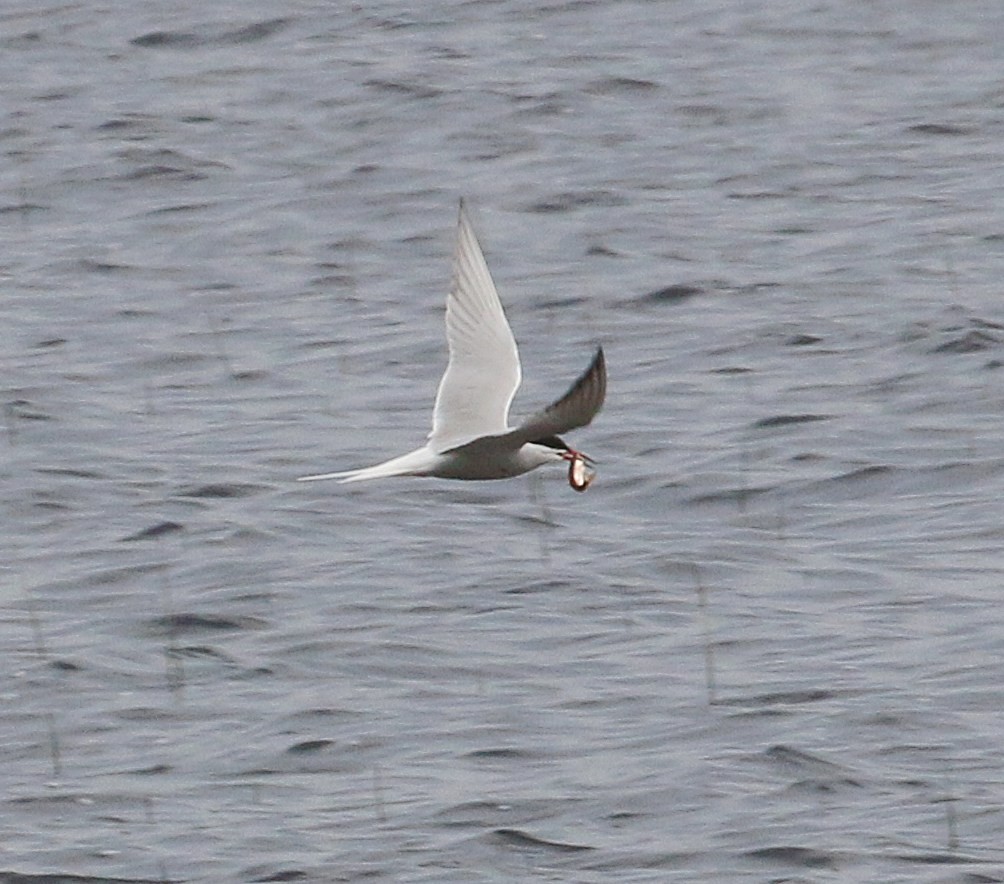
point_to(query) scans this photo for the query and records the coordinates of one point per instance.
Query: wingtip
(599, 362)
(463, 216)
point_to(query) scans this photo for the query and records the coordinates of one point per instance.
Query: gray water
(768, 643)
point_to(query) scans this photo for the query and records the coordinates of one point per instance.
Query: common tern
(471, 437)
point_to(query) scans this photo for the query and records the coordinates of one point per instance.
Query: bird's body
(471, 437)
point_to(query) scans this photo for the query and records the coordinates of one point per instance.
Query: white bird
(471, 437)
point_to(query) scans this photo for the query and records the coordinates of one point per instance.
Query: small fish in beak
(580, 473)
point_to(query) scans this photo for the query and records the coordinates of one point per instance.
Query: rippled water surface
(767, 645)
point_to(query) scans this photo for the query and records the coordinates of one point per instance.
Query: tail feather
(415, 463)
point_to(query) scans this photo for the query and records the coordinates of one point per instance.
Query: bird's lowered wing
(575, 409)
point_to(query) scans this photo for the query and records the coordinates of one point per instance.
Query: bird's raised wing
(483, 373)
(575, 409)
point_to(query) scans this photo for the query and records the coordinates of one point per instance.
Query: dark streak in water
(971, 342)
(518, 838)
(65, 666)
(779, 698)
(864, 473)
(938, 129)
(803, 857)
(71, 472)
(499, 753)
(154, 531)
(569, 200)
(7, 877)
(219, 490)
(784, 420)
(726, 495)
(310, 746)
(670, 294)
(252, 33)
(614, 85)
(178, 624)
(22, 409)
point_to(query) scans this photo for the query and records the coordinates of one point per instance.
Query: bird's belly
(480, 461)
(479, 468)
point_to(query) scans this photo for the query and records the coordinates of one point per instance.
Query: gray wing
(483, 373)
(575, 409)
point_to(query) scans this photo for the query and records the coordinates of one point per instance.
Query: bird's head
(557, 449)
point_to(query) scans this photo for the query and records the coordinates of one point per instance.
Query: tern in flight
(471, 437)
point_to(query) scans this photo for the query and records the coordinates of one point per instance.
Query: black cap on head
(555, 442)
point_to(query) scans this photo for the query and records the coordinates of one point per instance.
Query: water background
(768, 643)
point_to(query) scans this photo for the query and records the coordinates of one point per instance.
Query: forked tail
(415, 463)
